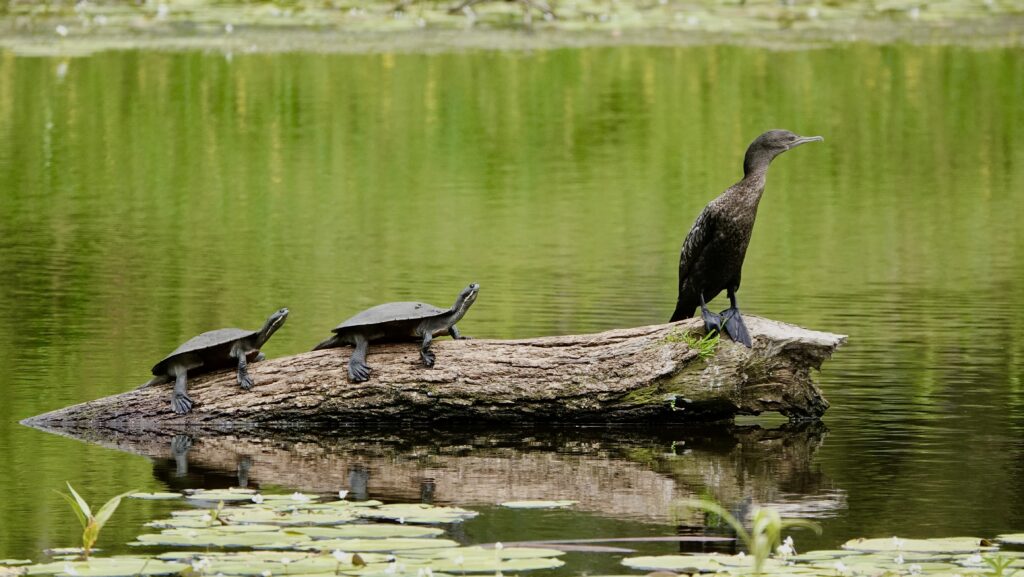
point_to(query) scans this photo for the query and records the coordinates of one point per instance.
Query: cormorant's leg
(712, 322)
(244, 380)
(358, 371)
(427, 356)
(734, 324)
(181, 403)
(455, 334)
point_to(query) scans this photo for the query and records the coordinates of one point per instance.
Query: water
(149, 196)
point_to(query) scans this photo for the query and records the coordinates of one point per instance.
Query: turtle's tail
(328, 344)
(159, 380)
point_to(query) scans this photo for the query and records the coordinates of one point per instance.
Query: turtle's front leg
(244, 380)
(455, 334)
(358, 371)
(425, 353)
(181, 403)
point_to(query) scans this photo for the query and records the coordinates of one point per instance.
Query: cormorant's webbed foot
(736, 328)
(712, 322)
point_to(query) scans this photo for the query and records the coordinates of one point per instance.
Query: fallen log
(644, 375)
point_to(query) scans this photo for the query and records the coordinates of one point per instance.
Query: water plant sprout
(91, 524)
(765, 535)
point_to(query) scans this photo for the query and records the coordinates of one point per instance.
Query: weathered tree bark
(644, 374)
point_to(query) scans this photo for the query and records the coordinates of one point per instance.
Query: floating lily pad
(208, 538)
(1011, 538)
(538, 504)
(67, 551)
(389, 544)
(822, 555)
(155, 496)
(493, 565)
(108, 567)
(367, 531)
(226, 495)
(677, 563)
(15, 561)
(417, 513)
(949, 546)
(482, 553)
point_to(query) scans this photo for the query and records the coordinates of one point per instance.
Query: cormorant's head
(771, 144)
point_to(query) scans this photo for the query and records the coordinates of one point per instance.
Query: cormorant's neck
(755, 163)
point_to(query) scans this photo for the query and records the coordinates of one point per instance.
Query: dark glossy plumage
(712, 256)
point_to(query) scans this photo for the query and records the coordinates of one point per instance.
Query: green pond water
(146, 197)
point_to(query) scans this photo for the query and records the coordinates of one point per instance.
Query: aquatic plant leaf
(367, 531)
(15, 561)
(108, 567)
(155, 496)
(824, 554)
(377, 545)
(538, 504)
(1011, 538)
(208, 538)
(677, 563)
(947, 545)
(494, 564)
(417, 513)
(226, 495)
(479, 552)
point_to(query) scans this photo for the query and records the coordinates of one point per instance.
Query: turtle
(401, 321)
(210, 351)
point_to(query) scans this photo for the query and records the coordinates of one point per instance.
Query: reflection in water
(618, 473)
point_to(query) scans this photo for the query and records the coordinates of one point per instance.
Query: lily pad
(108, 567)
(822, 555)
(677, 563)
(417, 513)
(1011, 538)
(226, 495)
(155, 496)
(367, 531)
(538, 504)
(208, 538)
(378, 545)
(493, 565)
(482, 553)
(15, 561)
(949, 546)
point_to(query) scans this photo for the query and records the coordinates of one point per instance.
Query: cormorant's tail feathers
(328, 344)
(684, 310)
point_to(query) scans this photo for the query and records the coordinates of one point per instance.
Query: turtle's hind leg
(181, 403)
(358, 370)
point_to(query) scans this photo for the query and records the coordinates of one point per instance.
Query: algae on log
(641, 375)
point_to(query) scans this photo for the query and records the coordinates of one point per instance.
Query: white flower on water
(300, 497)
(498, 546)
(162, 11)
(974, 560)
(200, 565)
(61, 30)
(841, 567)
(206, 518)
(257, 498)
(897, 542)
(914, 569)
(401, 520)
(786, 549)
(342, 494)
(459, 560)
(229, 28)
(341, 556)
(741, 554)
(285, 560)
(69, 569)
(192, 534)
(899, 559)
(266, 573)
(425, 572)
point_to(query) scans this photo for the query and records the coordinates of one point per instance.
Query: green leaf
(74, 507)
(108, 509)
(82, 505)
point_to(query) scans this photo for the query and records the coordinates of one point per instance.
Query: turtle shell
(391, 313)
(217, 343)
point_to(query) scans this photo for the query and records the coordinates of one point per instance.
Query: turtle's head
(771, 144)
(466, 299)
(273, 323)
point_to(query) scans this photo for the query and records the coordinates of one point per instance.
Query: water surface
(146, 197)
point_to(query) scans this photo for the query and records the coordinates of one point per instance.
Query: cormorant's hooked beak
(805, 140)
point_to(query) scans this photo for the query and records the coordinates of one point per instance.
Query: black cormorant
(712, 256)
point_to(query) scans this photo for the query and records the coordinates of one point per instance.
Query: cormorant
(712, 255)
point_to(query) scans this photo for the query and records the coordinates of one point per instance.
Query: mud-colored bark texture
(637, 375)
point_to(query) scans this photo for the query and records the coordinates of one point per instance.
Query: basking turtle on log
(210, 351)
(403, 321)
(711, 259)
